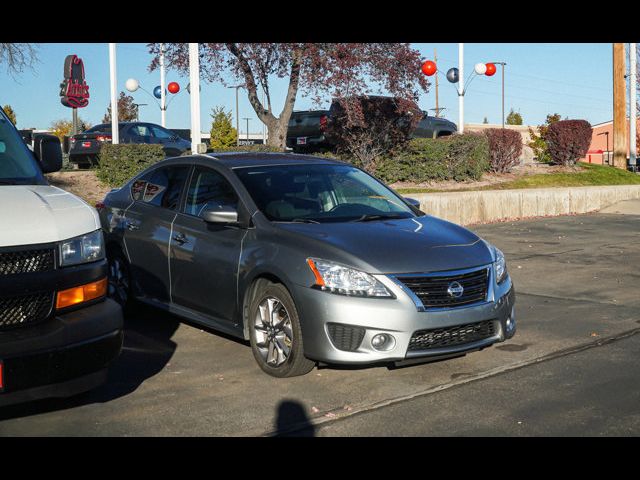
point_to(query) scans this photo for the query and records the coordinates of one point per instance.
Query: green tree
(485, 121)
(127, 110)
(538, 141)
(10, 113)
(514, 118)
(223, 134)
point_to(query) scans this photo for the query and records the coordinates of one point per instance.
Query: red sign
(74, 89)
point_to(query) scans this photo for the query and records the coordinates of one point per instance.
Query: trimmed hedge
(246, 148)
(455, 157)
(118, 163)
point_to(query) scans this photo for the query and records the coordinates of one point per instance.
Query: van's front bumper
(400, 318)
(63, 356)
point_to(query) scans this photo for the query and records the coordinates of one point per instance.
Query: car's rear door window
(161, 187)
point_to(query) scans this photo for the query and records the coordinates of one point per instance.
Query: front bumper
(63, 356)
(400, 318)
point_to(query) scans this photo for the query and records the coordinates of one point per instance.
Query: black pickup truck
(306, 130)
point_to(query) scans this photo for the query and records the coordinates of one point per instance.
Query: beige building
(527, 152)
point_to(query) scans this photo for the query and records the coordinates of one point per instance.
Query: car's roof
(254, 159)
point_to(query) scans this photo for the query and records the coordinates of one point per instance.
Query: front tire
(119, 288)
(275, 333)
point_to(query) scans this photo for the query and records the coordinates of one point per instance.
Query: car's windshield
(320, 193)
(17, 165)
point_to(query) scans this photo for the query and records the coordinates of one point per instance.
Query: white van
(58, 329)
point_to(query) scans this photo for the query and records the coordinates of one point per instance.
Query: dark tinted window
(209, 190)
(104, 128)
(161, 187)
(161, 133)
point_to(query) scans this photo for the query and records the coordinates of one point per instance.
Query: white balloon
(132, 84)
(480, 68)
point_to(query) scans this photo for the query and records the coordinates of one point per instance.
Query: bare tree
(18, 56)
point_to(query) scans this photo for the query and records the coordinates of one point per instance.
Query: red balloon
(429, 68)
(491, 69)
(173, 87)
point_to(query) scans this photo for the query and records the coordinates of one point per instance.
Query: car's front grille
(452, 336)
(24, 309)
(26, 261)
(438, 291)
(345, 337)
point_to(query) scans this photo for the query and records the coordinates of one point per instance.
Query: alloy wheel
(274, 334)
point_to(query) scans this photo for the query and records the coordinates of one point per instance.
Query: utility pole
(237, 114)
(633, 109)
(619, 108)
(435, 59)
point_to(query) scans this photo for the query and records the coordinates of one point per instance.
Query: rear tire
(275, 333)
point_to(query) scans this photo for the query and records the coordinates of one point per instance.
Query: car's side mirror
(223, 215)
(48, 151)
(413, 201)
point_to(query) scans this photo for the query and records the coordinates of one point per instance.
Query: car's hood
(423, 244)
(32, 214)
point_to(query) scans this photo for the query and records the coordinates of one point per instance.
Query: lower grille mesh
(24, 309)
(345, 337)
(452, 336)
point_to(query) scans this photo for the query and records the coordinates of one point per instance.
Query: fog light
(383, 341)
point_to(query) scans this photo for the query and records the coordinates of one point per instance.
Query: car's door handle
(180, 238)
(132, 226)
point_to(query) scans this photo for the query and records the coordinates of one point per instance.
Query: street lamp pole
(194, 81)
(503, 65)
(115, 139)
(237, 114)
(247, 119)
(163, 97)
(461, 91)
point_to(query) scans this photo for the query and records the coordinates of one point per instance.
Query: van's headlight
(83, 249)
(336, 278)
(501, 266)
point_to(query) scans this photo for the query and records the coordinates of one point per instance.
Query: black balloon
(453, 75)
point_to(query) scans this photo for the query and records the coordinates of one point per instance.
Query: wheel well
(249, 294)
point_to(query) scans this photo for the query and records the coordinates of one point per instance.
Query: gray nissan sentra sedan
(310, 259)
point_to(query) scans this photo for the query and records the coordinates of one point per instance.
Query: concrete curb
(484, 206)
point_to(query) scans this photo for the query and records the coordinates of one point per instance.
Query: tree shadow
(292, 420)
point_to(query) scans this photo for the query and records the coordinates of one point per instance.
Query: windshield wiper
(303, 220)
(370, 218)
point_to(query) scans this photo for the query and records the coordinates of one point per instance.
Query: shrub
(369, 127)
(456, 157)
(505, 148)
(538, 141)
(568, 140)
(118, 163)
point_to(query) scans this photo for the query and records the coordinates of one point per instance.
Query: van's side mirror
(48, 151)
(224, 215)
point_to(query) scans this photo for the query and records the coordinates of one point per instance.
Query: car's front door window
(209, 190)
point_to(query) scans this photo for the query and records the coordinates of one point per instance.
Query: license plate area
(301, 141)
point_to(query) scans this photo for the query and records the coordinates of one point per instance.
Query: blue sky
(571, 79)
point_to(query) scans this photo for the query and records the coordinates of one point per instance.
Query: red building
(601, 148)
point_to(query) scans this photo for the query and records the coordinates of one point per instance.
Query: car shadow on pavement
(147, 348)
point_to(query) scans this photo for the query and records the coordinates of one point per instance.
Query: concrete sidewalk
(576, 279)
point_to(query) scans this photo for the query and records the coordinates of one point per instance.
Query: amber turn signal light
(81, 294)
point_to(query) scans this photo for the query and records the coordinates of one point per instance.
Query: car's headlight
(336, 278)
(83, 249)
(501, 266)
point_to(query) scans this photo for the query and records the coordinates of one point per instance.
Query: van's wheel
(275, 333)
(119, 279)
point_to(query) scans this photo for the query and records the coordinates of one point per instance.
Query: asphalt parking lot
(577, 283)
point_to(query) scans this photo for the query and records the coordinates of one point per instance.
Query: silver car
(310, 259)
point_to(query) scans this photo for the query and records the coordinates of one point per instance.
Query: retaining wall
(500, 205)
